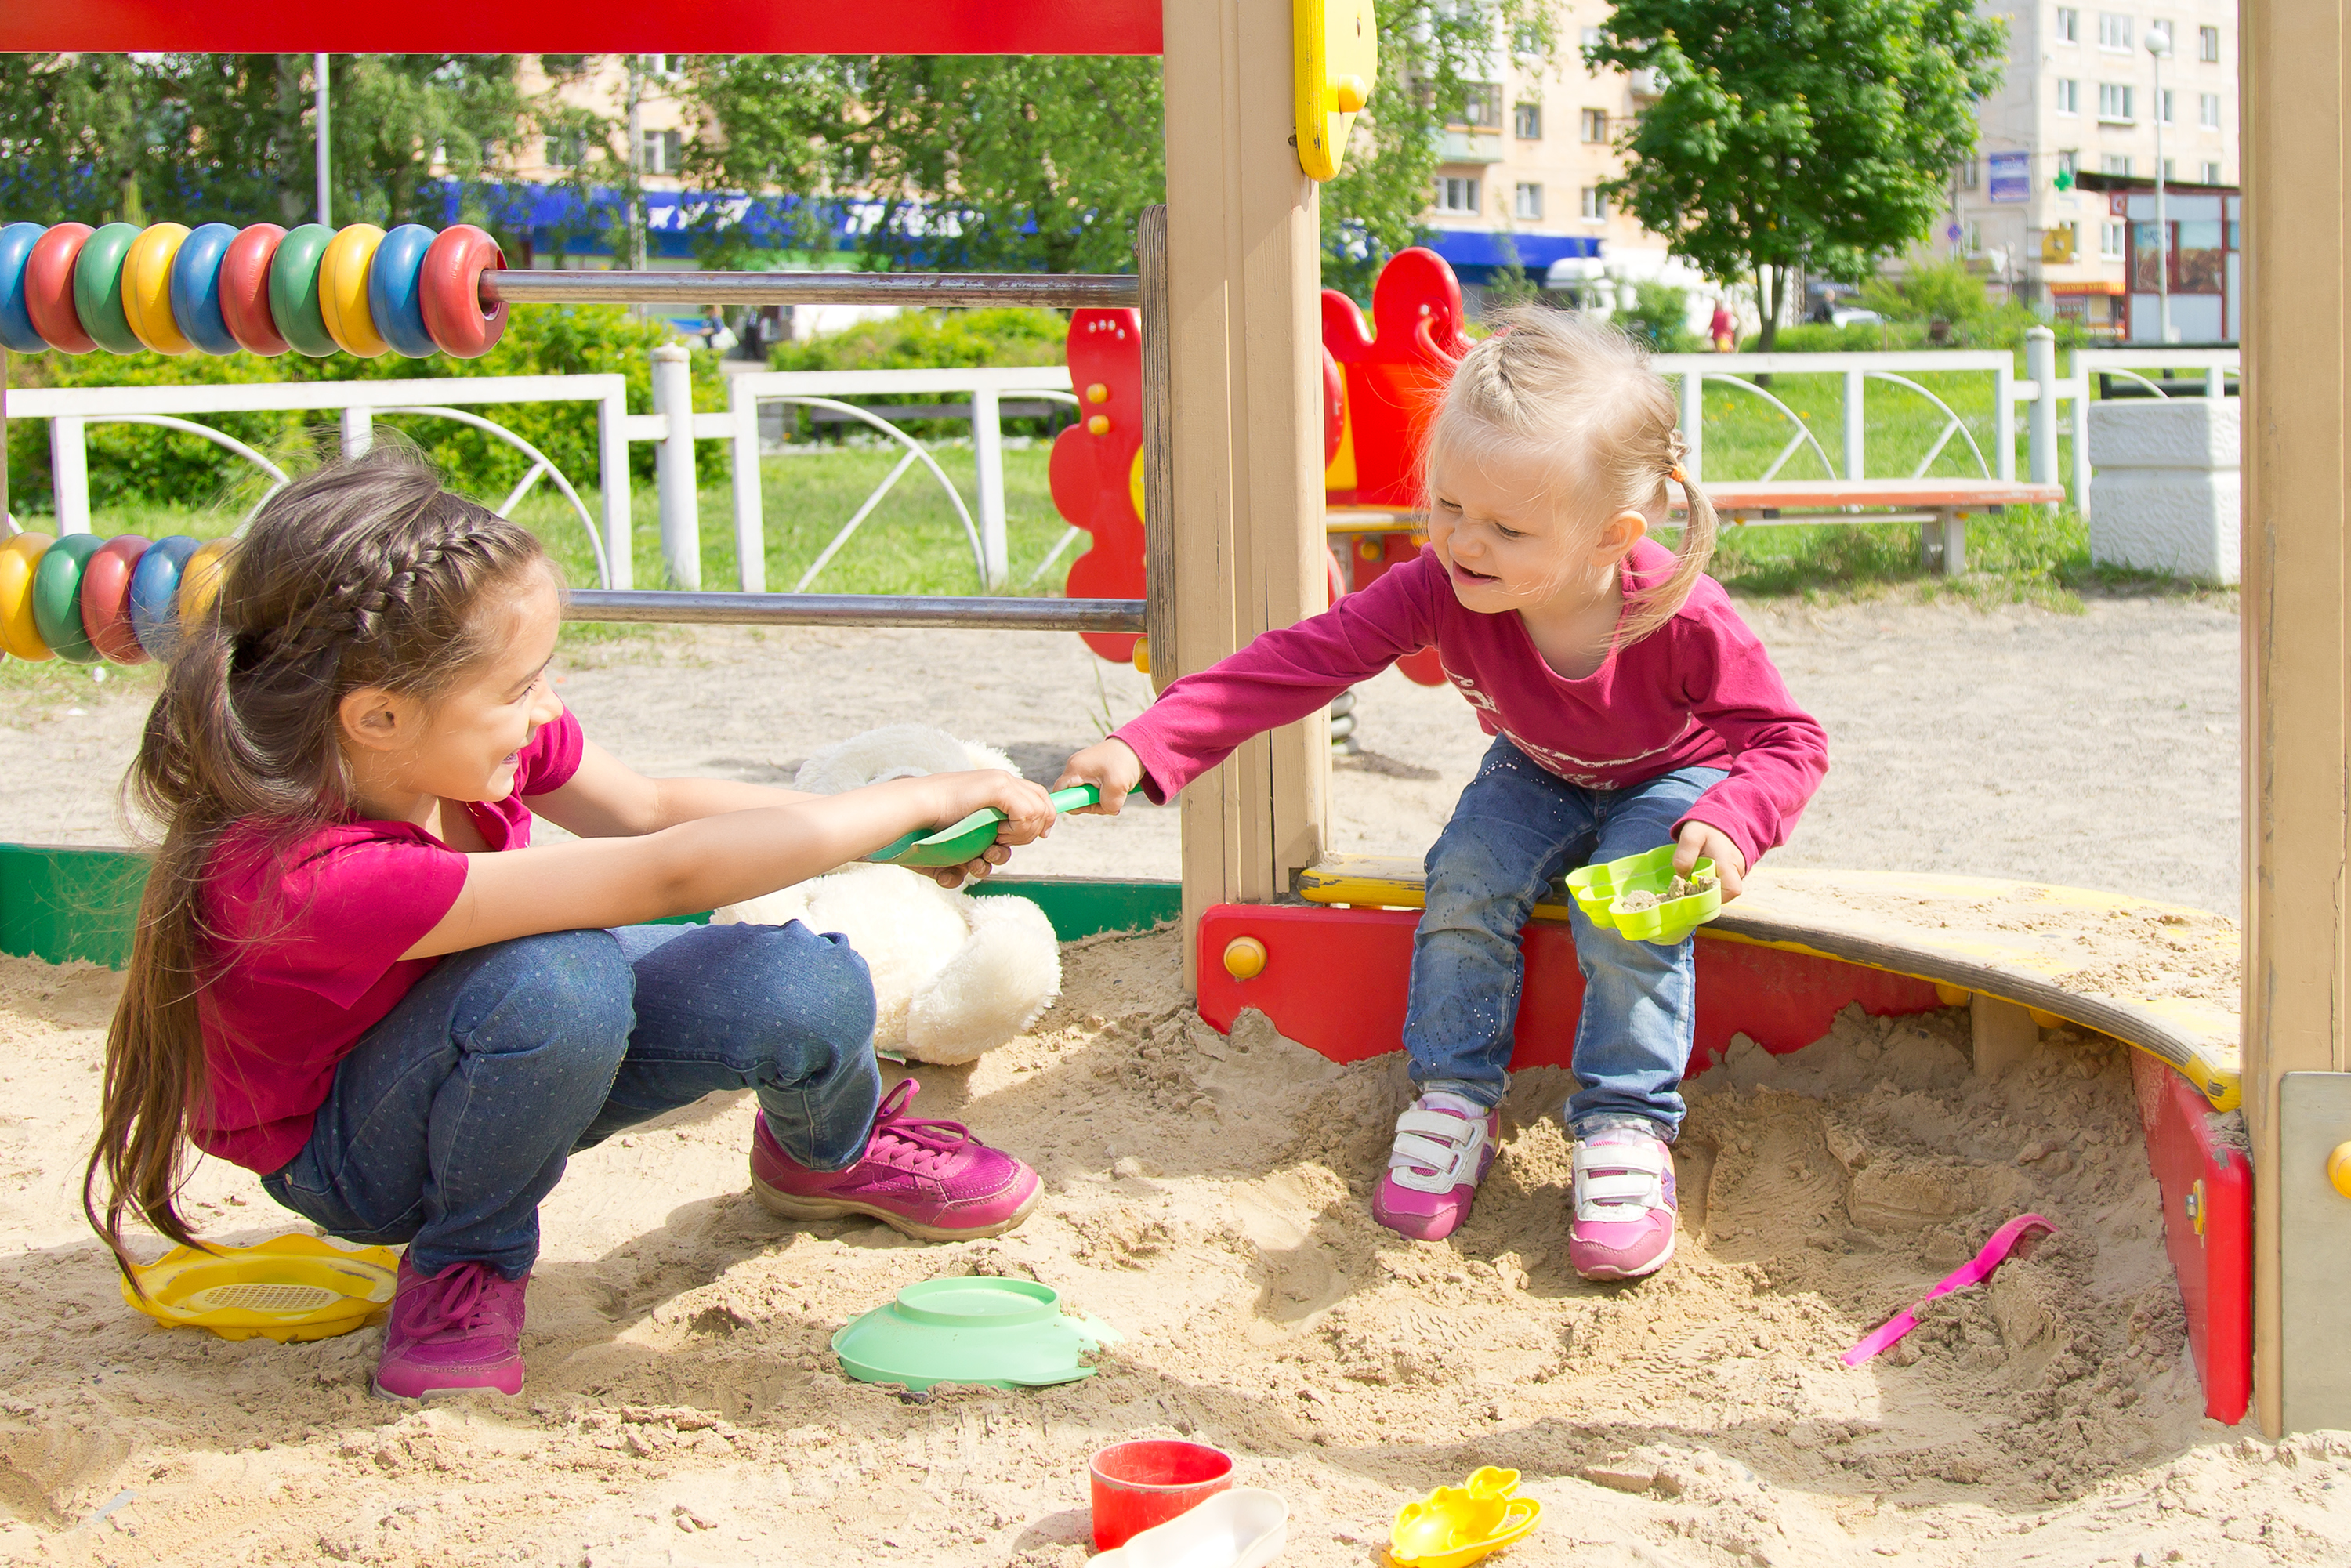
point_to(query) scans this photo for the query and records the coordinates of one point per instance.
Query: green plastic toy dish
(1006, 1333)
(1599, 890)
(967, 840)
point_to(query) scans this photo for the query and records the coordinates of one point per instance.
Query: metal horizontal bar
(908, 288)
(855, 610)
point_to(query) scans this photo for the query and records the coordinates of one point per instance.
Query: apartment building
(1520, 174)
(2082, 102)
(561, 233)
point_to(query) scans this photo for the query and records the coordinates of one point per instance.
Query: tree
(1815, 137)
(1044, 162)
(199, 137)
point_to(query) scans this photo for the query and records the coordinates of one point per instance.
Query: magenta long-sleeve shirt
(1699, 691)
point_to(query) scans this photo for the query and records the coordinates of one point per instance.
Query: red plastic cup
(1137, 1485)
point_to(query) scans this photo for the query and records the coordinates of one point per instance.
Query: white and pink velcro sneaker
(1625, 1212)
(1443, 1148)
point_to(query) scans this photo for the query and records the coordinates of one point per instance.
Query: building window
(2069, 163)
(1458, 194)
(663, 152)
(2170, 170)
(2207, 110)
(1526, 121)
(568, 151)
(2114, 32)
(2114, 164)
(2069, 25)
(1482, 106)
(2163, 108)
(2211, 174)
(2069, 97)
(1594, 203)
(1528, 202)
(2208, 45)
(1595, 125)
(2112, 238)
(2116, 101)
(1593, 37)
(1966, 172)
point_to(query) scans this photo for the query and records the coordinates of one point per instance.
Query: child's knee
(811, 985)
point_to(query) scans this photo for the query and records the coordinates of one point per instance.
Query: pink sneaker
(930, 1179)
(1440, 1156)
(1625, 1213)
(451, 1333)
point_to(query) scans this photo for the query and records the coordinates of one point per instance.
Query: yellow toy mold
(1455, 1526)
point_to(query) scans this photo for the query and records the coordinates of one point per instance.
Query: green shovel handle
(967, 840)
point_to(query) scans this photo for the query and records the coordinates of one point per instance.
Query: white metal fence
(676, 428)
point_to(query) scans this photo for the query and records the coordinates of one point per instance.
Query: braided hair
(364, 573)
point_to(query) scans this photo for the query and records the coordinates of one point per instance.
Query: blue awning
(1477, 255)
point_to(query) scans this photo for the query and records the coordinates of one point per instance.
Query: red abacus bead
(245, 289)
(106, 599)
(450, 283)
(48, 288)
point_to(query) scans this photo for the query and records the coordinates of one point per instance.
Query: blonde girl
(1631, 707)
(356, 976)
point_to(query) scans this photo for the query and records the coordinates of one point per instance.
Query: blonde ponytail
(1660, 601)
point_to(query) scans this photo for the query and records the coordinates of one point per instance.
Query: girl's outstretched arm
(713, 860)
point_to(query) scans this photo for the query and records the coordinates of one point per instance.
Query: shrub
(923, 339)
(131, 464)
(1657, 315)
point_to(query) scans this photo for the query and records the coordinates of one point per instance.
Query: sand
(1208, 1197)
(2097, 749)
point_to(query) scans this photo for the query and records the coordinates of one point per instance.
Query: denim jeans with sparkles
(452, 1117)
(1515, 828)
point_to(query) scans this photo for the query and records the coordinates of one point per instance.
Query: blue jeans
(1515, 828)
(452, 1117)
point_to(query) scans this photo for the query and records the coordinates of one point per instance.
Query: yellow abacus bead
(20, 557)
(200, 582)
(147, 287)
(344, 291)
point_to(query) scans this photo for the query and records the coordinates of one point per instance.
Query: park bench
(1939, 506)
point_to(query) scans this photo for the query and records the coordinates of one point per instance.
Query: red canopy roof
(514, 26)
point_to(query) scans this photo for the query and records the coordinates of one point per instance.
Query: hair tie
(1677, 475)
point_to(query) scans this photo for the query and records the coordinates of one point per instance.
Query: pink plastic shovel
(2019, 1236)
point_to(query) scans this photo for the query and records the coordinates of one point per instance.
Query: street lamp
(2158, 44)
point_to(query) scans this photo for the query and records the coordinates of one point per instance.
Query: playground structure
(1233, 532)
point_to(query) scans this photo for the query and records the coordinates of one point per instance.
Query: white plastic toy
(953, 975)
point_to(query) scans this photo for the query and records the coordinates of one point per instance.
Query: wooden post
(1244, 270)
(2295, 57)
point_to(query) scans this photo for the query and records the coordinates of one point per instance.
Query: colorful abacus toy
(118, 600)
(262, 289)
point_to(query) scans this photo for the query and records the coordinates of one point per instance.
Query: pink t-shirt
(1699, 691)
(313, 938)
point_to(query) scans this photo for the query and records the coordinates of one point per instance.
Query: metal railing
(1694, 371)
(70, 411)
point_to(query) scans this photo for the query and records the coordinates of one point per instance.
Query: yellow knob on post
(1143, 656)
(1953, 996)
(1351, 93)
(1098, 425)
(2338, 1167)
(1244, 958)
(1098, 392)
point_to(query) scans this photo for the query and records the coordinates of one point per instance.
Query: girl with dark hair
(354, 976)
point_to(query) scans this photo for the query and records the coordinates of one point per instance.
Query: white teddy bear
(953, 975)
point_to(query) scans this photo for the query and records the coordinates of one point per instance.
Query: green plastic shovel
(967, 840)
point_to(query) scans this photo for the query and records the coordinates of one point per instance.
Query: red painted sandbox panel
(2208, 1227)
(696, 27)
(1335, 980)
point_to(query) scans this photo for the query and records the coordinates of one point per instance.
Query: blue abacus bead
(195, 289)
(16, 333)
(395, 299)
(155, 594)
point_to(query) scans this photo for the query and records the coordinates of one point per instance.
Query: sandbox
(1207, 1197)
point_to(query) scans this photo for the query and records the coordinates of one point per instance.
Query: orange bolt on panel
(1244, 958)
(1098, 425)
(1098, 392)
